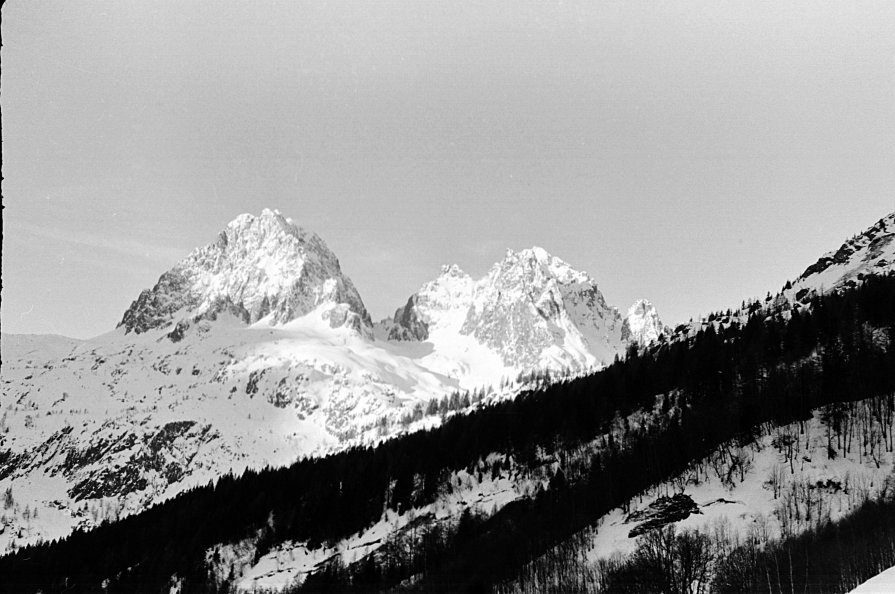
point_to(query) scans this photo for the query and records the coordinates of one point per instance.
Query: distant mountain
(531, 311)
(538, 311)
(259, 267)
(256, 350)
(642, 324)
(439, 304)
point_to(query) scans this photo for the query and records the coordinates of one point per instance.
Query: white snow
(531, 311)
(643, 324)
(871, 252)
(884, 583)
(264, 264)
(259, 395)
(833, 487)
(304, 379)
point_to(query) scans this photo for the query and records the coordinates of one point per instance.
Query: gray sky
(694, 153)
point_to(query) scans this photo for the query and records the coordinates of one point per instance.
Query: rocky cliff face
(258, 267)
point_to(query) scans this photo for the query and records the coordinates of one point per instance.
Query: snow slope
(883, 583)
(289, 563)
(39, 347)
(810, 486)
(429, 326)
(124, 420)
(789, 479)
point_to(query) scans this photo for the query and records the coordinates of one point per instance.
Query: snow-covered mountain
(259, 267)
(531, 311)
(642, 324)
(256, 350)
(538, 311)
(439, 304)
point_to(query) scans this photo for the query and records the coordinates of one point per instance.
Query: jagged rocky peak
(642, 324)
(438, 303)
(548, 283)
(532, 309)
(536, 311)
(259, 267)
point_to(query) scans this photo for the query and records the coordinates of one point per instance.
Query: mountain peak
(452, 270)
(642, 324)
(532, 253)
(448, 296)
(537, 311)
(640, 306)
(537, 266)
(259, 267)
(532, 310)
(268, 222)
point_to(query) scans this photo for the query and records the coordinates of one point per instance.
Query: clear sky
(693, 153)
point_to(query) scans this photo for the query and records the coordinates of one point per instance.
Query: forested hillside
(719, 385)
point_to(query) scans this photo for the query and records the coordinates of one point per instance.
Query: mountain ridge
(532, 309)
